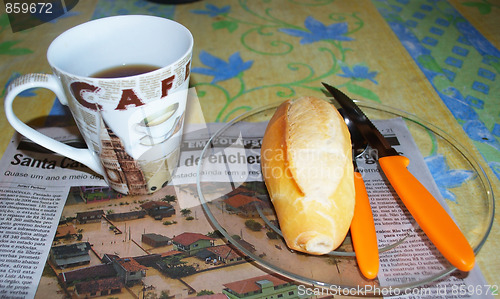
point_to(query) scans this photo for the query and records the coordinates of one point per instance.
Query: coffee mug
(125, 80)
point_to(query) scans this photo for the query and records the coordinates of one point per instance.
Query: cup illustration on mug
(159, 126)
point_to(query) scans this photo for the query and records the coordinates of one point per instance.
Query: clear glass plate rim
(376, 106)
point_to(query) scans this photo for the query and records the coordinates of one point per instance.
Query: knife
(363, 235)
(425, 209)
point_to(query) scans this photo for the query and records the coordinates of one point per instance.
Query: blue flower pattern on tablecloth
(220, 69)
(319, 31)
(445, 177)
(212, 10)
(358, 72)
(332, 35)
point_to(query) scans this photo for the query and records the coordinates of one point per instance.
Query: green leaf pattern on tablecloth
(9, 47)
(484, 6)
(280, 38)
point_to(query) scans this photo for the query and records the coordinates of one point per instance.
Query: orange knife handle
(363, 234)
(429, 214)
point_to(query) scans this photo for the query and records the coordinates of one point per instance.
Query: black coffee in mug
(125, 71)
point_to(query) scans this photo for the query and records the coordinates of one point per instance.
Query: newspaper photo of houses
(110, 245)
(164, 245)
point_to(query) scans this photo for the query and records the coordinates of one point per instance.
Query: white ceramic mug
(107, 111)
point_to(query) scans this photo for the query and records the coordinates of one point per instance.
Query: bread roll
(306, 165)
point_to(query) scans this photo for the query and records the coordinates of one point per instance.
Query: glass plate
(339, 269)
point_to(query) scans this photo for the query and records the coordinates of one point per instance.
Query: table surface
(437, 59)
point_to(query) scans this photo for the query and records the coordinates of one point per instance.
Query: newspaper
(38, 188)
(34, 186)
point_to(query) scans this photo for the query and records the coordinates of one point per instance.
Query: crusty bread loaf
(306, 164)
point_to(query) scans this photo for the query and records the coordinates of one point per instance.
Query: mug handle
(84, 156)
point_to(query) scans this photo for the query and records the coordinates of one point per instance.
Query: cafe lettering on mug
(128, 95)
(138, 143)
